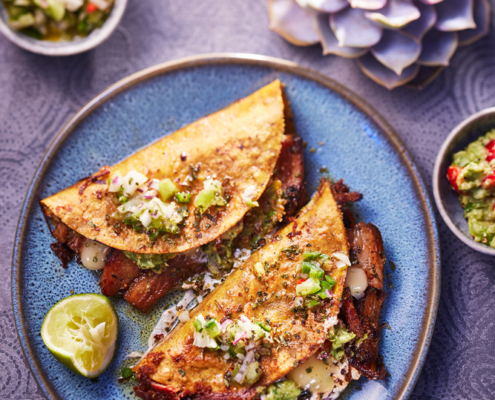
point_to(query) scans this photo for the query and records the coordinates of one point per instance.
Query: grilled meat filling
(361, 316)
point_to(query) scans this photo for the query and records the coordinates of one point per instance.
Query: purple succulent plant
(394, 41)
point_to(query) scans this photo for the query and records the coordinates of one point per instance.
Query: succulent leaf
(368, 4)
(481, 14)
(376, 71)
(396, 14)
(431, 1)
(294, 23)
(455, 15)
(331, 44)
(353, 29)
(438, 48)
(329, 6)
(424, 23)
(396, 50)
(425, 76)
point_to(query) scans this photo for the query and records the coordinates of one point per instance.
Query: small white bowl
(446, 199)
(64, 48)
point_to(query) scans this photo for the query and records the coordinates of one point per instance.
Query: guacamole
(472, 176)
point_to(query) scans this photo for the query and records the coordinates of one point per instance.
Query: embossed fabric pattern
(38, 94)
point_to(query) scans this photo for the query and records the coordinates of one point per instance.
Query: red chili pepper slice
(488, 182)
(491, 150)
(452, 174)
(91, 8)
(301, 281)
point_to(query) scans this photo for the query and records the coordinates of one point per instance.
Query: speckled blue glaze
(349, 141)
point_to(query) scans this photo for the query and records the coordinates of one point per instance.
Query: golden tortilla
(238, 146)
(183, 370)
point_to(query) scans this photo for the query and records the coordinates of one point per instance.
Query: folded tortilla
(176, 368)
(238, 146)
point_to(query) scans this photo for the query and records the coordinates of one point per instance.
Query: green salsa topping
(339, 336)
(155, 262)
(56, 20)
(286, 390)
(472, 176)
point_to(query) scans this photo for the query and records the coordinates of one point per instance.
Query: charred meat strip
(343, 196)
(290, 170)
(362, 316)
(149, 286)
(366, 244)
(119, 272)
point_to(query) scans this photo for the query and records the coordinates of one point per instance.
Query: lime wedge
(80, 331)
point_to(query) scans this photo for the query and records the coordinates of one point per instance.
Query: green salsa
(472, 176)
(56, 20)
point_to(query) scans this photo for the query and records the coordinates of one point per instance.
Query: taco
(264, 320)
(185, 190)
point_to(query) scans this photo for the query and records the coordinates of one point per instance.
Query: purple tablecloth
(38, 94)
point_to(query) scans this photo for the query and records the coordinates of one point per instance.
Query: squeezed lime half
(81, 331)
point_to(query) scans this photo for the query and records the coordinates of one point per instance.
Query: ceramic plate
(350, 139)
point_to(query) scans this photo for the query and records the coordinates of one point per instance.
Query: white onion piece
(342, 257)
(184, 316)
(94, 254)
(225, 324)
(340, 264)
(154, 184)
(132, 181)
(145, 218)
(356, 281)
(115, 183)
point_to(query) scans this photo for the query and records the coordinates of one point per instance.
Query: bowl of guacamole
(464, 181)
(59, 27)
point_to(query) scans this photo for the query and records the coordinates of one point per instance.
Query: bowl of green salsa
(464, 181)
(59, 27)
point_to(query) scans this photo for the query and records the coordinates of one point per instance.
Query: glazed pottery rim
(66, 48)
(433, 293)
(460, 130)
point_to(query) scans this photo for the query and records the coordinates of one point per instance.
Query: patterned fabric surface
(38, 94)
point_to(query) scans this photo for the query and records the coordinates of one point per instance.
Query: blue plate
(350, 139)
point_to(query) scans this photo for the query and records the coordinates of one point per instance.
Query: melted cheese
(356, 281)
(314, 375)
(94, 254)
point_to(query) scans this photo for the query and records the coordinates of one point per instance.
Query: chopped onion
(115, 183)
(150, 194)
(226, 323)
(184, 316)
(132, 181)
(340, 264)
(342, 257)
(239, 378)
(245, 319)
(154, 184)
(145, 218)
(238, 337)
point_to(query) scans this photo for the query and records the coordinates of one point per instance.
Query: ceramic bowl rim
(433, 291)
(67, 48)
(461, 129)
